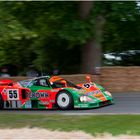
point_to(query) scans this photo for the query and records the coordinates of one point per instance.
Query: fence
(114, 79)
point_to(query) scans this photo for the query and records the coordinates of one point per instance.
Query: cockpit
(54, 82)
(58, 82)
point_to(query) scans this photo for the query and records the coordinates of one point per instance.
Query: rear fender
(5, 82)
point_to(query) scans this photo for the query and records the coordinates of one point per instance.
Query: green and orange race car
(52, 92)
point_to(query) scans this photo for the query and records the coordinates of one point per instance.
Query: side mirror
(88, 78)
(64, 83)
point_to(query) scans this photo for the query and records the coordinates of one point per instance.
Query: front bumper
(94, 104)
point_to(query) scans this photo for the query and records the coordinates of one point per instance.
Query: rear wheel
(1, 102)
(64, 100)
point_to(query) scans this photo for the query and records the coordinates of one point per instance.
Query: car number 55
(13, 94)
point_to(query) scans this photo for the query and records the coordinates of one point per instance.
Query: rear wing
(5, 82)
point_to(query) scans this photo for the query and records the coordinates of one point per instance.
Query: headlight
(84, 98)
(108, 93)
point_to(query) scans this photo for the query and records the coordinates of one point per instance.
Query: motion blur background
(43, 37)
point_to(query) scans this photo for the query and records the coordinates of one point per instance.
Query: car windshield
(25, 83)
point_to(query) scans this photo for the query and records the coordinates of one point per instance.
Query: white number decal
(13, 94)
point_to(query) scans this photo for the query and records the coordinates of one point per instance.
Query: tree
(122, 27)
(66, 34)
(91, 51)
(14, 40)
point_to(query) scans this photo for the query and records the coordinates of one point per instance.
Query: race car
(48, 92)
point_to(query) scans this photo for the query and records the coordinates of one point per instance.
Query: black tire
(1, 102)
(64, 100)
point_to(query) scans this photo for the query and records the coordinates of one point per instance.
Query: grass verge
(114, 124)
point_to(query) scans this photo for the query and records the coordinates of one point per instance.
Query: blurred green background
(71, 37)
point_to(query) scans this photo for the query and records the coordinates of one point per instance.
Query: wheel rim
(63, 100)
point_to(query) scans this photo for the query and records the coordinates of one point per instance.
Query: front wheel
(64, 100)
(1, 102)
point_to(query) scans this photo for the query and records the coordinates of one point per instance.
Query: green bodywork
(76, 93)
(92, 104)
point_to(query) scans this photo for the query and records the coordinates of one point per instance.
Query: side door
(40, 95)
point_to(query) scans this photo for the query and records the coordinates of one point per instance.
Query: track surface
(125, 103)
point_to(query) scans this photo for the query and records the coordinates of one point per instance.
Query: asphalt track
(125, 103)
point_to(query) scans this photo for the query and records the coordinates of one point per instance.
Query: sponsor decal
(83, 105)
(52, 101)
(28, 104)
(90, 93)
(38, 95)
(4, 91)
(99, 95)
(43, 103)
(96, 92)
